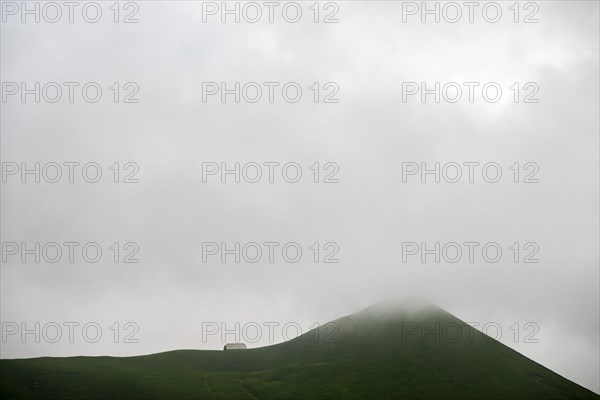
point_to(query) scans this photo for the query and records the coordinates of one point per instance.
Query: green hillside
(378, 353)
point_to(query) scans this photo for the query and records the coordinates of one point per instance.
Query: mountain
(404, 350)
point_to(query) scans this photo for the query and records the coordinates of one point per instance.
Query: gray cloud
(369, 133)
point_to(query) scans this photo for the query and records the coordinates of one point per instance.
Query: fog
(369, 211)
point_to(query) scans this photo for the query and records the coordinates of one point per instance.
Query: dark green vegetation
(380, 353)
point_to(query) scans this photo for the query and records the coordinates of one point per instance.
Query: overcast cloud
(369, 213)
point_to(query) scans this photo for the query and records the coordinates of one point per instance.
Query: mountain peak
(412, 304)
(412, 308)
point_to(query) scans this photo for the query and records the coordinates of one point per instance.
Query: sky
(336, 203)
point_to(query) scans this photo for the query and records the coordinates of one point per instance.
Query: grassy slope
(370, 360)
